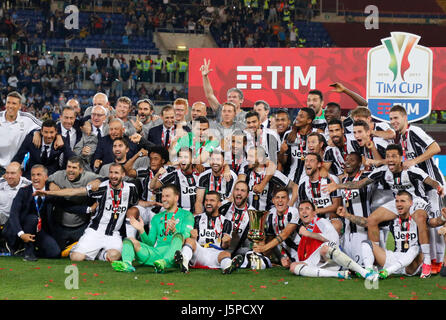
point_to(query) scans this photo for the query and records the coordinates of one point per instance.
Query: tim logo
(252, 77)
(399, 72)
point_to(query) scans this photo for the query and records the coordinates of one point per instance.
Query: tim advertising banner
(397, 71)
(400, 72)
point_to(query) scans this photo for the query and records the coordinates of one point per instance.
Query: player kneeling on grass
(209, 238)
(318, 251)
(281, 223)
(406, 259)
(168, 229)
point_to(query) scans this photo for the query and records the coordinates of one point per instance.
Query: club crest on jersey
(399, 71)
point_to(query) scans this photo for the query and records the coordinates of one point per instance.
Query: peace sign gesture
(205, 68)
(137, 124)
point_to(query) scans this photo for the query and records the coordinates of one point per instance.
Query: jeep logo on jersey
(120, 209)
(320, 203)
(190, 190)
(210, 234)
(402, 235)
(264, 192)
(399, 72)
(298, 154)
(353, 195)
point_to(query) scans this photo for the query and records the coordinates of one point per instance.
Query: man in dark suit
(46, 155)
(67, 128)
(104, 150)
(164, 134)
(29, 217)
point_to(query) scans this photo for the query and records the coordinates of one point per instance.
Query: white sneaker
(345, 274)
(372, 275)
(181, 261)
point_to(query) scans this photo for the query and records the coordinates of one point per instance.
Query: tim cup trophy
(256, 233)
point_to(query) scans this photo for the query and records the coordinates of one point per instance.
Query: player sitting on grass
(407, 258)
(168, 229)
(210, 236)
(318, 251)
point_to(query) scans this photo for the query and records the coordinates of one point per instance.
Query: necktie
(68, 138)
(44, 156)
(99, 134)
(39, 207)
(39, 202)
(166, 142)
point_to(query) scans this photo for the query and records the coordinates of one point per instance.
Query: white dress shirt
(71, 135)
(7, 195)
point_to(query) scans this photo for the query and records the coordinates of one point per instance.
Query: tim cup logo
(399, 72)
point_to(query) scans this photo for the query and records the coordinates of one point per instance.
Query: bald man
(73, 103)
(100, 99)
(199, 109)
(10, 184)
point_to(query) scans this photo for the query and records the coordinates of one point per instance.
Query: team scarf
(308, 245)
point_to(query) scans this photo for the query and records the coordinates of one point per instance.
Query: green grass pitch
(46, 280)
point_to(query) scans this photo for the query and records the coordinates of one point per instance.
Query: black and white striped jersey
(336, 156)
(415, 142)
(320, 123)
(240, 224)
(379, 126)
(147, 193)
(268, 139)
(276, 223)
(297, 150)
(237, 162)
(187, 185)
(263, 201)
(380, 145)
(357, 201)
(411, 180)
(209, 182)
(113, 206)
(404, 231)
(312, 190)
(211, 229)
